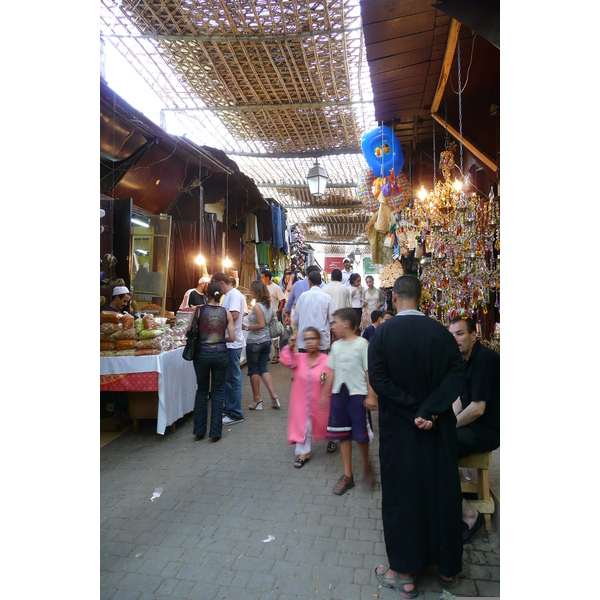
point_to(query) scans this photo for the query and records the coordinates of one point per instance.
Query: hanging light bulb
(227, 263)
(457, 185)
(422, 193)
(200, 259)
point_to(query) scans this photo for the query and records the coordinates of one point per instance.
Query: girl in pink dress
(307, 419)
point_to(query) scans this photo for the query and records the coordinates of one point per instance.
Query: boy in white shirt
(349, 419)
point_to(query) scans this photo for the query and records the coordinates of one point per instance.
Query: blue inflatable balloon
(382, 151)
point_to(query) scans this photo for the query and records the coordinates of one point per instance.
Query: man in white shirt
(314, 308)
(234, 303)
(277, 304)
(346, 273)
(338, 291)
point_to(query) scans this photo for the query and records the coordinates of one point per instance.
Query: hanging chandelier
(460, 229)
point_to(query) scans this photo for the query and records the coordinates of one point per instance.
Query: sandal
(449, 584)
(275, 402)
(331, 447)
(275, 360)
(397, 583)
(299, 462)
(256, 404)
(344, 484)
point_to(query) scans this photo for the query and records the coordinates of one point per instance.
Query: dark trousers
(473, 439)
(211, 368)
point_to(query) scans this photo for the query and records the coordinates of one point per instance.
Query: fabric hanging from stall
(262, 251)
(284, 229)
(263, 219)
(277, 237)
(249, 265)
(250, 229)
(235, 245)
(210, 241)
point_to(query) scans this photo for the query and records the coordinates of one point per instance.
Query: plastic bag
(149, 322)
(148, 334)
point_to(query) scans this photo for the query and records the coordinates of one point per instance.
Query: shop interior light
(227, 263)
(139, 222)
(200, 259)
(457, 185)
(422, 193)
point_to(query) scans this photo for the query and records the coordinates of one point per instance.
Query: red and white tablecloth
(167, 373)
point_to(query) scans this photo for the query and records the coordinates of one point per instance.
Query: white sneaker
(229, 421)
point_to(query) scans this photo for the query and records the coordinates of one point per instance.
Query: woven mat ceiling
(273, 83)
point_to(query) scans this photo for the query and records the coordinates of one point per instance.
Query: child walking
(307, 419)
(351, 396)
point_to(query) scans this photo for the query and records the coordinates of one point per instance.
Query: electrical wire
(470, 62)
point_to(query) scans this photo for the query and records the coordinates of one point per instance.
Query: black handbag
(190, 345)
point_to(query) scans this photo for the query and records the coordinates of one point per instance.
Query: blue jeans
(210, 367)
(257, 356)
(233, 384)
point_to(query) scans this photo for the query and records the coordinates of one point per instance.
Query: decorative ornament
(382, 151)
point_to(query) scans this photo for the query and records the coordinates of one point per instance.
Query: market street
(234, 519)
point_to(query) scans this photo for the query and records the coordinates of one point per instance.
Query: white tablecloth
(176, 381)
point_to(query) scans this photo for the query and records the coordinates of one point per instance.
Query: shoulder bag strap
(194, 324)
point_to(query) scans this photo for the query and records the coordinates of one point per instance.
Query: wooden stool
(484, 503)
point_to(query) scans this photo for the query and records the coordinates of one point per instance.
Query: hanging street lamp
(317, 180)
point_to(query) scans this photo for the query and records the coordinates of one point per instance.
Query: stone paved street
(204, 536)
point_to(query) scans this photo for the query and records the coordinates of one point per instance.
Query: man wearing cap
(120, 300)
(347, 272)
(197, 296)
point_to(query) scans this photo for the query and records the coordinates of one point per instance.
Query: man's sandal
(275, 360)
(331, 447)
(299, 462)
(449, 584)
(256, 404)
(396, 583)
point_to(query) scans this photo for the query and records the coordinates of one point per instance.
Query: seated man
(376, 321)
(477, 409)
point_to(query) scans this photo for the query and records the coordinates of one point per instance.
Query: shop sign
(369, 267)
(334, 262)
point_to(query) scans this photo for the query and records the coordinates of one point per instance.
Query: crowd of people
(436, 390)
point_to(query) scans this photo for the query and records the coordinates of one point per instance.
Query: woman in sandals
(307, 420)
(258, 345)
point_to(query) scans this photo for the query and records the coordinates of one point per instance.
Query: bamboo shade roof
(273, 83)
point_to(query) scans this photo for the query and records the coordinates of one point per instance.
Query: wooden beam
(290, 106)
(326, 207)
(415, 132)
(309, 154)
(227, 39)
(486, 160)
(453, 31)
(304, 186)
(334, 243)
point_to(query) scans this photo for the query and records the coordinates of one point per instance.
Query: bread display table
(164, 381)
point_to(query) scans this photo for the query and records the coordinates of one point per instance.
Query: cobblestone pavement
(205, 536)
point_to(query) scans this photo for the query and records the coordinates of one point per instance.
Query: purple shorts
(348, 418)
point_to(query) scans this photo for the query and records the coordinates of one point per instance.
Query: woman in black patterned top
(214, 324)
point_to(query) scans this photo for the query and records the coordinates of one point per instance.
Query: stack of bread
(390, 273)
